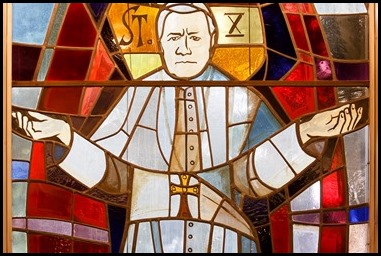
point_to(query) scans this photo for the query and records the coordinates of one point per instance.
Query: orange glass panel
(240, 62)
(133, 25)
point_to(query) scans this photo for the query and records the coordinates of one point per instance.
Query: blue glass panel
(219, 178)
(20, 170)
(98, 9)
(277, 34)
(30, 22)
(117, 217)
(360, 214)
(248, 246)
(264, 125)
(278, 66)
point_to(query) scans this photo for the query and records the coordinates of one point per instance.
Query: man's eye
(195, 38)
(174, 38)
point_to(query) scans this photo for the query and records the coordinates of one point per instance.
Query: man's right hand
(38, 126)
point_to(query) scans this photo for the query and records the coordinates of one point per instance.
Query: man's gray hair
(184, 8)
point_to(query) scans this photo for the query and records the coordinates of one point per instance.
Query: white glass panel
(85, 162)
(288, 144)
(340, 8)
(115, 143)
(309, 199)
(144, 151)
(115, 119)
(357, 159)
(172, 233)
(25, 97)
(166, 121)
(128, 245)
(19, 199)
(358, 238)
(218, 239)
(271, 167)
(230, 242)
(144, 243)
(216, 117)
(19, 242)
(150, 195)
(149, 116)
(90, 233)
(21, 148)
(139, 99)
(197, 237)
(305, 238)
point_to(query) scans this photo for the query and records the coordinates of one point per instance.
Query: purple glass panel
(352, 71)
(90, 233)
(335, 217)
(307, 218)
(18, 223)
(51, 226)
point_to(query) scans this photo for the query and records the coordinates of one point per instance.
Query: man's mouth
(192, 62)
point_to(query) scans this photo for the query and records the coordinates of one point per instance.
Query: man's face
(186, 43)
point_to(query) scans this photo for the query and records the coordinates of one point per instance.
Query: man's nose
(183, 48)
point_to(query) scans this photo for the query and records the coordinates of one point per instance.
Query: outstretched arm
(331, 122)
(38, 126)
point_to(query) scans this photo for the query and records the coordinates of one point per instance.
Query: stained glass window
(154, 127)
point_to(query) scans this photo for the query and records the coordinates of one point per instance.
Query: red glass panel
(77, 28)
(82, 246)
(305, 57)
(102, 65)
(333, 239)
(61, 99)
(280, 234)
(48, 244)
(90, 97)
(302, 72)
(47, 200)
(290, 7)
(89, 211)
(337, 159)
(326, 97)
(298, 31)
(37, 162)
(306, 8)
(69, 65)
(24, 61)
(315, 36)
(296, 101)
(334, 189)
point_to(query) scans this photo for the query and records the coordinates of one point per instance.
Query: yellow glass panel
(238, 25)
(141, 64)
(134, 27)
(240, 62)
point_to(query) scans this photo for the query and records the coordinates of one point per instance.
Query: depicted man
(167, 147)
